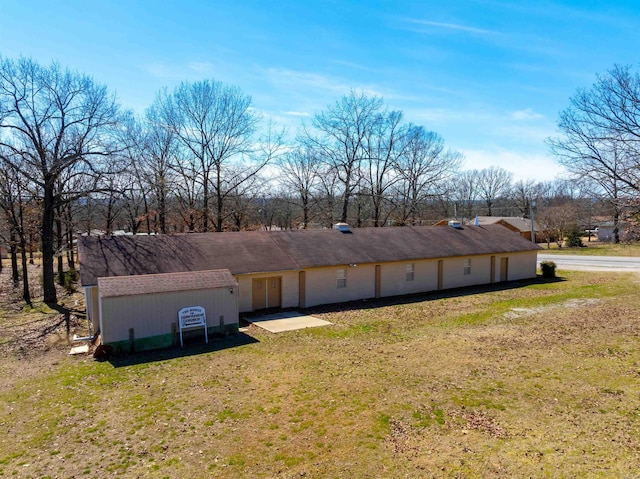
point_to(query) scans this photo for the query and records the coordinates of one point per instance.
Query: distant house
(517, 224)
(605, 229)
(289, 269)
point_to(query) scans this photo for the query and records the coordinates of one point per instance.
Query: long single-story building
(289, 269)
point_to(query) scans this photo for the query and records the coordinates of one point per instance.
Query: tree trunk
(109, 220)
(26, 295)
(616, 227)
(48, 216)
(345, 208)
(70, 253)
(31, 248)
(305, 212)
(15, 276)
(218, 198)
(59, 245)
(162, 210)
(205, 206)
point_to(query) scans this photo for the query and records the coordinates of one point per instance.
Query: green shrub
(71, 277)
(574, 238)
(548, 269)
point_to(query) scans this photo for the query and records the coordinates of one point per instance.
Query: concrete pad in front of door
(286, 321)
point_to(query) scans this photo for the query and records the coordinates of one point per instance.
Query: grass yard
(595, 248)
(542, 380)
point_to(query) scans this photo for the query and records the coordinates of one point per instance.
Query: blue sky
(490, 77)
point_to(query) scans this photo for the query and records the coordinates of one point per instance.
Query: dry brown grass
(537, 381)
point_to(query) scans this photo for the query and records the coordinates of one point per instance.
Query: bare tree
(13, 200)
(299, 170)
(464, 193)
(384, 147)
(160, 155)
(215, 125)
(340, 136)
(425, 168)
(56, 122)
(493, 183)
(607, 114)
(328, 185)
(522, 194)
(600, 138)
(556, 222)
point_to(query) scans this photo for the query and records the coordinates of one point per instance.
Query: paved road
(592, 263)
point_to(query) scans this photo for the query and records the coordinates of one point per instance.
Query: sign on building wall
(193, 317)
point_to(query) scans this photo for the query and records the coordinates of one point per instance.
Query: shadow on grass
(191, 348)
(429, 296)
(65, 319)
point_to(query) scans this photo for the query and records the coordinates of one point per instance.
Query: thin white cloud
(300, 82)
(296, 113)
(201, 67)
(298, 78)
(435, 116)
(356, 66)
(451, 26)
(526, 115)
(159, 70)
(191, 70)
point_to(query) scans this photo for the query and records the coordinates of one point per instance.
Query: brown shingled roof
(161, 283)
(267, 251)
(241, 252)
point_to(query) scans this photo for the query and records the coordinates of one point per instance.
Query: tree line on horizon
(73, 161)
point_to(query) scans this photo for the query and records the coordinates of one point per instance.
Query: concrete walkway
(286, 321)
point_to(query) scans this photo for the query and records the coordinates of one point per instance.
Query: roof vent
(343, 227)
(455, 224)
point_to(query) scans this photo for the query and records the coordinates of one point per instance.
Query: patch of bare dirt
(30, 331)
(480, 421)
(516, 313)
(402, 437)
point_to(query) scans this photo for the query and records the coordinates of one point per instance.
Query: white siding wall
(521, 265)
(152, 314)
(289, 285)
(453, 274)
(321, 284)
(394, 281)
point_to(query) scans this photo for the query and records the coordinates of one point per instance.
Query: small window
(467, 266)
(342, 278)
(410, 272)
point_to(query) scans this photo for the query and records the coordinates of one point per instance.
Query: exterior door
(274, 286)
(302, 289)
(440, 274)
(266, 293)
(504, 269)
(378, 280)
(492, 278)
(259, 294)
